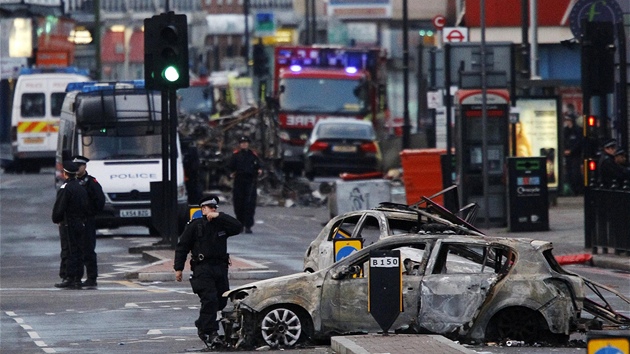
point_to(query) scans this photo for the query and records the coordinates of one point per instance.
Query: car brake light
(318, 146)
(368, 147)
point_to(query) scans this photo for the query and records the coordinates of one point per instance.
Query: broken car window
(344, 228)
(472, 259)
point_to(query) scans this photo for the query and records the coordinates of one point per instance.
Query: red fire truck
(316, 82)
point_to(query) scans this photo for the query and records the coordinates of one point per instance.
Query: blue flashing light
(351, 70)
(62, 70)
(295, 68)
(94, 86)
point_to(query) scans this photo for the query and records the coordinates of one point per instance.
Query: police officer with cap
(96, 203)
(245, 167)
(609, 172)
(70, 212)
(206, 239)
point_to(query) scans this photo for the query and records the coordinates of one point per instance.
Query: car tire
(284, 326)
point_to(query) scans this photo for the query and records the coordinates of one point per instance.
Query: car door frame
(344, 302)
(452, 301)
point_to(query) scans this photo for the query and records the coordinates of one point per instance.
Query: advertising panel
(537, 133)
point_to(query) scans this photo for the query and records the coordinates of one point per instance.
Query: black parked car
(338, 145)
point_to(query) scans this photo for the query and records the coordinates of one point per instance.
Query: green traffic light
(171, 73)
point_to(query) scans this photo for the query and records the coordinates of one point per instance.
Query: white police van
(37, 101)
(117, 125)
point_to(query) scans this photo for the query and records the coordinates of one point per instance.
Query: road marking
(31, 334)
(154, 331)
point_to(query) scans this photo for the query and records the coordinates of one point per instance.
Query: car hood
(275, 282)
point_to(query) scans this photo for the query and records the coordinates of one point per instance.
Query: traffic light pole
(173, 217)
(169, 166)
(165, 233)
(166, 69)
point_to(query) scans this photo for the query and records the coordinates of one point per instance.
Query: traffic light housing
(598, 58)
(591, 135)
(590, 172)
(261, 61)
(166, 52)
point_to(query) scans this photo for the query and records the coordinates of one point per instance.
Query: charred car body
(455, 282)
(388, 219)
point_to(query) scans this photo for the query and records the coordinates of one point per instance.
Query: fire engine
(318, 82)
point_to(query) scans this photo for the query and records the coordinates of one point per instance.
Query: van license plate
(135, 213)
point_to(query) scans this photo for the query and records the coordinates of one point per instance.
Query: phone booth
(469, 151)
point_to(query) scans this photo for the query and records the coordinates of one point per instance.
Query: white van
(118, 127)
(35, 114)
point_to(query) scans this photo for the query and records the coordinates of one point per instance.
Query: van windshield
(122, 147)
(333, 95)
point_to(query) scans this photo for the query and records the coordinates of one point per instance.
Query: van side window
(56, 102)
(33, 105)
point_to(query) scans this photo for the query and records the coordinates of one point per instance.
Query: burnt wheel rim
(281, 327)
(518, 324)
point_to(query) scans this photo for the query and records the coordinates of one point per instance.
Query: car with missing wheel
(470, 288)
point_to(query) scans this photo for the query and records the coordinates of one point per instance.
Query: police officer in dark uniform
(245, 167)
(609, 172)
(573, 154)
(95, 205)
(206, 238)
(70, 212)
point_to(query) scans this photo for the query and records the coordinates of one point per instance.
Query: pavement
(566, 221)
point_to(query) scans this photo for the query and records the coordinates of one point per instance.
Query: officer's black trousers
(209, 282)
(88, 246)
(244, 199)
(76, 233)
(63, 238)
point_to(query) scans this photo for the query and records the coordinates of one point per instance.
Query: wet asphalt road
(125, 316)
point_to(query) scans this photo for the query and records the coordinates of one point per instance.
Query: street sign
(593, 11)
(346, 246)
(438, 22)
(265, 24)
(434, 99)
(385, 287)
(454, 34)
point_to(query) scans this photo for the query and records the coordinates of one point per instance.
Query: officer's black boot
(64, 283)
(75, 284)
(89, 283)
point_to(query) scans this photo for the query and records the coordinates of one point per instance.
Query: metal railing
(607, 218)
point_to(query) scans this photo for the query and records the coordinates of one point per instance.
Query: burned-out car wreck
(469, 287)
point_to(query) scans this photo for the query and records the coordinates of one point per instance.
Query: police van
(118, 126)
(35, 114)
